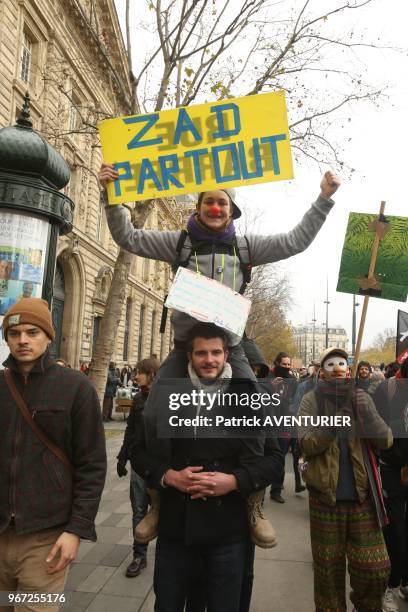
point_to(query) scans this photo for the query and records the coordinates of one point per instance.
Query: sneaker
(390, 602)
(403, 591)
(277, 498)
(135, 567)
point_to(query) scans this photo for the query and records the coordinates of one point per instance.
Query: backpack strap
(185, 243)
(8, 377)
(164, 314)
(240, 243)
(244, 256)
(180, 261)
(175, 266)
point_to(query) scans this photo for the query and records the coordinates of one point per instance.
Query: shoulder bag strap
(28, 418)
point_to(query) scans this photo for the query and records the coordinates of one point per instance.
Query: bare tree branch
(350, 98)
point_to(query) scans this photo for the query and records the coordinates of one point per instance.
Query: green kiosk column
(33, 212)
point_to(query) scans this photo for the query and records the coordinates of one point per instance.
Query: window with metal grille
(73, 119)
(74, 116)
(141, 326)
(26, 57)
(127, 328)
(161, 346)
(99, 222)
(153, 334)
(95, 332)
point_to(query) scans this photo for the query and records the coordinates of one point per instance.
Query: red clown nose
(214, 211)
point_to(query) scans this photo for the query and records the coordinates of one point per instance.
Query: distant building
(311, 343)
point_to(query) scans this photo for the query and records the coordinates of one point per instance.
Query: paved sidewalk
(283, 575)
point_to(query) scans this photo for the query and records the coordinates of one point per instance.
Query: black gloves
(121, 468)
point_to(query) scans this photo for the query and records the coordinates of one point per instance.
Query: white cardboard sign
(207, 300)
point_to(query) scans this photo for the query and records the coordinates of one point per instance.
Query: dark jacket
(134, 427)
(391, 400)
(112, 383)
(35, 485)
(363, 383)
(255, 356)
(305, 385)
(286, 389)
(321, 447)
(219, 519)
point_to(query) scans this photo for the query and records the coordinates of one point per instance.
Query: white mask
(334, 360)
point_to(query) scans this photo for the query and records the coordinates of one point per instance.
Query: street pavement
(97, 582)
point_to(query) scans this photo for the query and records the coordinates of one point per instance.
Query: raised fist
(329, 184)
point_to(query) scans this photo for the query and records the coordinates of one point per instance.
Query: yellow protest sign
(241, 141)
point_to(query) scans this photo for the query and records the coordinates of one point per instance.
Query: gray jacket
(161, 245)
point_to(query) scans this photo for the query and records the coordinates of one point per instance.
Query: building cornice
(98, 48)
(83, 39)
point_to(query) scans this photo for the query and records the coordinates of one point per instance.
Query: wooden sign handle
(371, 270)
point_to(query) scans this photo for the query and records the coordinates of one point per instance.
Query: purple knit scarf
(198, 231)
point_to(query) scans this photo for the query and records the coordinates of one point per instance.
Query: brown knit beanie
(29, 310)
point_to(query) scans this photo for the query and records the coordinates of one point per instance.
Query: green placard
(391, 270)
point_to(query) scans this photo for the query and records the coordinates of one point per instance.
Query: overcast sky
(377, 152)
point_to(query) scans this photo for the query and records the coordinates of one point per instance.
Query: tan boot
(262, 532)
(147, 529)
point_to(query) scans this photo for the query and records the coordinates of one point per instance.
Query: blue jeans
(140, 502)
(248, 578)
(196, 598)
(178, 567)
(285, 444)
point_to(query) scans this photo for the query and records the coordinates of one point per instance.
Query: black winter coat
(220, 519)
(35, 486)
(391, 409)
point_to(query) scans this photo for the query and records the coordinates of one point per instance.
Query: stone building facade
(69, 55)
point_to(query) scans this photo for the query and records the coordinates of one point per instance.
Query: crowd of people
(200, 456)
(353, 507)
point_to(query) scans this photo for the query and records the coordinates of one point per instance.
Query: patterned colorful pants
(350, 530)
